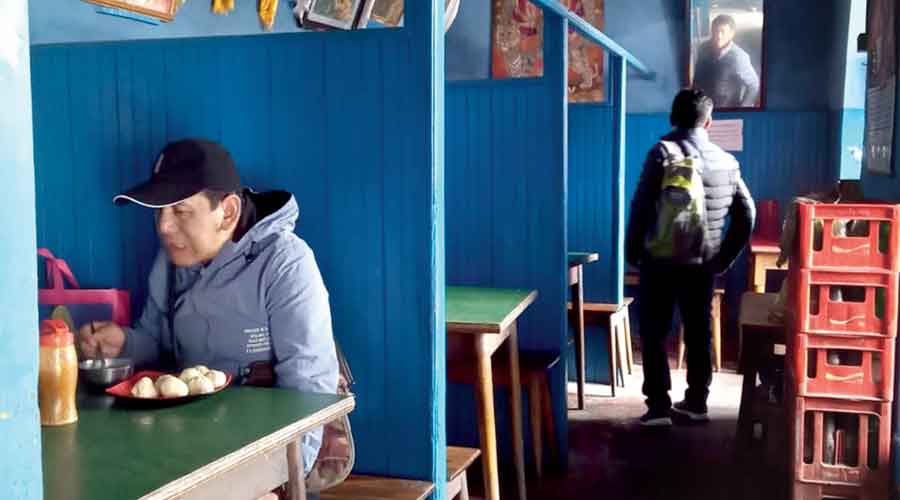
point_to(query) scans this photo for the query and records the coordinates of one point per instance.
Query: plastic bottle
(58, 376)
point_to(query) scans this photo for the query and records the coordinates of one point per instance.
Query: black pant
(663, 286)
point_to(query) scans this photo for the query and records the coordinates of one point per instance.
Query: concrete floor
(612, 458)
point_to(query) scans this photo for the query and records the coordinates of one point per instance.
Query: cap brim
(155, 194)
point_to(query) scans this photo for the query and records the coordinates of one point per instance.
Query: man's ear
(231, 209)
(707, 124)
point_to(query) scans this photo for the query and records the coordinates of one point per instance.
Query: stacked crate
(840, 354)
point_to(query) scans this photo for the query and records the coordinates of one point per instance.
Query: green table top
(116, 451)
(579, 258)
(485, 310)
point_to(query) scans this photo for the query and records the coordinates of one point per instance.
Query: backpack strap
(672, 150)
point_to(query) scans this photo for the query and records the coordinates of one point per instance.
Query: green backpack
(680, 228)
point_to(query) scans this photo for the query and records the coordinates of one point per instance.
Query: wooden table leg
(534, 418)
(749, 368)
(487, 425)
(296, 476)
(578, 307)
(515, 389)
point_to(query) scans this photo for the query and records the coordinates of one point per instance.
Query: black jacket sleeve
(643, 206)
(742, 216)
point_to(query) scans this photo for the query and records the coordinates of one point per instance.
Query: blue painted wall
(20, 462)
(363, 160)
(853, 114)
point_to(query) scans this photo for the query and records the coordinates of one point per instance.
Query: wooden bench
(533, 368)
(458, 461)
(360, 487)
(616, 318)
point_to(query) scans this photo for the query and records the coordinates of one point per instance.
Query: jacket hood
(277, 213)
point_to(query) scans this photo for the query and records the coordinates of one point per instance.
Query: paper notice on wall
(728, 134)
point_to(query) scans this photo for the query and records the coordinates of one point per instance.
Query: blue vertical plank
(52, 147)
(552, 223)
(244, 105)
(298, 145)
(618, 80)
(194, 90)
(354, 211)
(20, 463)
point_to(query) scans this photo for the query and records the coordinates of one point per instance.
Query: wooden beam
(595, 35)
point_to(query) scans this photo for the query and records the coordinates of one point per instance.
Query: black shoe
(694, 413)
(655, 418)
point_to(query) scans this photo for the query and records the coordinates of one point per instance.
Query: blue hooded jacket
(261, 298)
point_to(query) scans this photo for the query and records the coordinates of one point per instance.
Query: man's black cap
(183, 169)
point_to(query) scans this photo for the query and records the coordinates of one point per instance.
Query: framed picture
(881, 86)
(727, 47)
(390, 12)
(517, 39)
(338, 14)
(163, 10)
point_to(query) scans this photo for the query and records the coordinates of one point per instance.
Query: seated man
(234, 288)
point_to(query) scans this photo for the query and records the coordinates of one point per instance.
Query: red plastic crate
(851, 455)
(809, 491)
(848, 251)
(843, 367)
(815, 313)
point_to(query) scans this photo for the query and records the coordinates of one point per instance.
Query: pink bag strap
(58, 271)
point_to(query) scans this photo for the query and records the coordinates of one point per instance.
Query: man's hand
(106, 340)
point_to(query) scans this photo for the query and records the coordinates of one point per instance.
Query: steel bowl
(105, 372)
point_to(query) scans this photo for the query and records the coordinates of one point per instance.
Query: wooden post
(617, 87)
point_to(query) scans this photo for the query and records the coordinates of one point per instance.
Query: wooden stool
(458, 460)
(763, 256)
(533, 368)
(616, 318)
(358, 487)
(716, 316)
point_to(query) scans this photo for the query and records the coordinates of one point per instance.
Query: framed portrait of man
(727, 47)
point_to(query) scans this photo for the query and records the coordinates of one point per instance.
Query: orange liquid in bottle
(58, 375)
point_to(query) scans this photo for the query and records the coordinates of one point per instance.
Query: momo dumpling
(200, 385)
(188, 374)
(160, 380)
(173, 387)
(202, 369)
(217, 378)
(144, 389)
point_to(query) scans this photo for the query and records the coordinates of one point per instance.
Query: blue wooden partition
(505, 193)
(20, 462)
(351, 123)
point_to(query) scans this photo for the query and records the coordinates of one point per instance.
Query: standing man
(724, 70)
(677, 237)
(232, 287)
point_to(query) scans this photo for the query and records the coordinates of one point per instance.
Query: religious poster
(517, 46)
(881, 86)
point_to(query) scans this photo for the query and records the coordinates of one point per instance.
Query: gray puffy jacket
(730, 212)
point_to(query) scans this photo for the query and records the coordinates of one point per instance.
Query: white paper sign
(728, 134)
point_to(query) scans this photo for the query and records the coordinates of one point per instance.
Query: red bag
(80, 305)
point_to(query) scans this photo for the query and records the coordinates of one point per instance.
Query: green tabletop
(121, 452)
(580, 258)
(485, 310)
